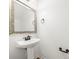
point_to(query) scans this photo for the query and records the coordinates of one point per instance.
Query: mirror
(22, 18)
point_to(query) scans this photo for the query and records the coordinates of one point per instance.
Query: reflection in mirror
(24, 18)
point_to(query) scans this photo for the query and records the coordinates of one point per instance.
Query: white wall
(54, 32)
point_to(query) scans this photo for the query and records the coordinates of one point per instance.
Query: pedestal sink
(29, 44)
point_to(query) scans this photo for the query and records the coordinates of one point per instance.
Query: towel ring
(42, 21)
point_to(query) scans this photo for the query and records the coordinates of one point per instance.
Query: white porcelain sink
(28, 43)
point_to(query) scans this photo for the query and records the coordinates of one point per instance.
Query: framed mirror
(22, 18)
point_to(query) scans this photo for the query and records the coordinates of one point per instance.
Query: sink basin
(28, 43)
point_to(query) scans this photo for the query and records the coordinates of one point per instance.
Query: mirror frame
(11, 12)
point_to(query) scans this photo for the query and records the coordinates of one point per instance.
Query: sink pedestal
(29, 45)
(30, 53)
